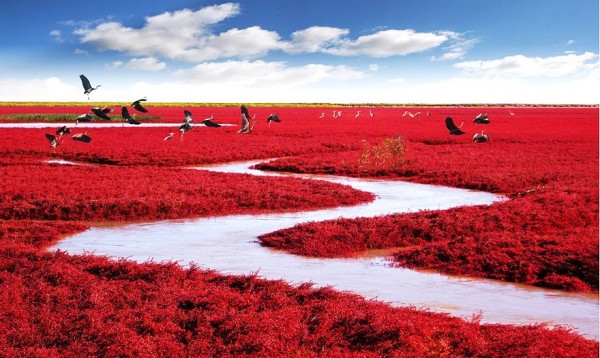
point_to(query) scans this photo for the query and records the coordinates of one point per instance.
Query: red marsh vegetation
(52, 304)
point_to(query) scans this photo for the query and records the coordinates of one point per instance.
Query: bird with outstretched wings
(52, 140)
(87, 86)
(81, 137)
(246, 128)
(138, 106)
(127, 117)
(454, 130)
(188, 116)
(100, 113)
(210, 123)
(481, 118)
(62, 131)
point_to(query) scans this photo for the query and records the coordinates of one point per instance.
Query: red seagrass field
(544, 160)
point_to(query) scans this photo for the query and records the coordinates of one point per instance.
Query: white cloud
(145, 64)
(182, 35)
(504, 90)
(81, 52)
(44, 89)
(56, 35)
(374, 67)
(249, 42)
(315, 39)
(330, 84)
(388, 43)
(570, 42)
(458, 47)
(523, 66)
(186, 35)
(115, 64)
(261, 73)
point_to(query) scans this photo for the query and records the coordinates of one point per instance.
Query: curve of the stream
(228, 244)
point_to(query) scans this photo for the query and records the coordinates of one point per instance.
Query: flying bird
(127, 117)
(481, 119)
(246, 127)
(209, 122)
(184, 128)
(62, 131)
(454, 130)
(480, 138)
(187, 120)
(188, 116)
(82, 137)
(138, 106)
(273, 118)
(53, 140)
(84, 118)
(87, 86)
(100, 113)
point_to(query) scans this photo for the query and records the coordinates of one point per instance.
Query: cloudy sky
(340, 51)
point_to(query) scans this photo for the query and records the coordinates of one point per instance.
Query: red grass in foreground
(59, 305)
(53, 304)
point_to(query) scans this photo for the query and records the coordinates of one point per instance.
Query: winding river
(228, 244)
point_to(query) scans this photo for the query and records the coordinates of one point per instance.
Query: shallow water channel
(228, 244)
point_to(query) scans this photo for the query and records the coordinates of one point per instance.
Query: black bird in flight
(481, 119)
(62, 131)
(53, 140)
(87, 86)
(84, 118)
(138, 106)
(82, 137)
(187, 123)
(454, 130)
(127, 117)
(209, 122)
(100, 112)
(273, 118)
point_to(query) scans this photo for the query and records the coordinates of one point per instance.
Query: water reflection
(228, 244)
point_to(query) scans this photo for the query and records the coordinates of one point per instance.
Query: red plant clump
(54, 304)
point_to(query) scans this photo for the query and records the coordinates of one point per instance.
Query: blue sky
(346, 51)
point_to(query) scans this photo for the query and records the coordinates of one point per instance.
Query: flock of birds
(103, 113)
(247, 125)
(481, 118)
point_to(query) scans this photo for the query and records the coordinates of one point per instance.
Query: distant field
(236, 104)
(544, 159)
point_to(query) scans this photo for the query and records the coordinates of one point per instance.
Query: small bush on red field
(388, 155)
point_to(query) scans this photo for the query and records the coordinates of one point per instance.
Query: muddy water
(228, 244)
